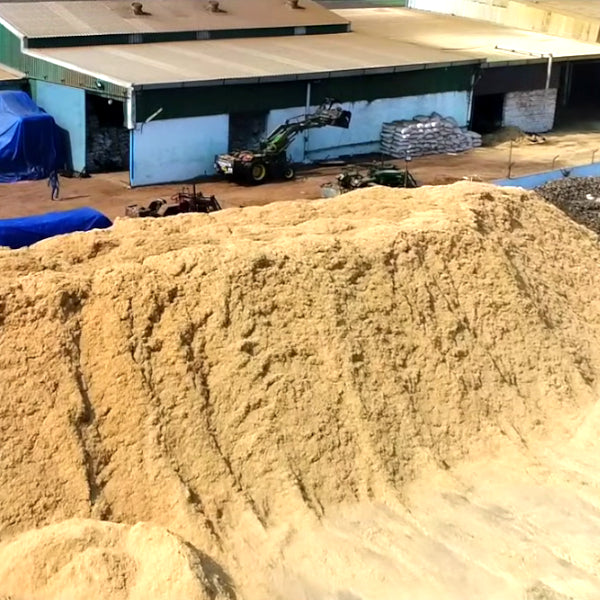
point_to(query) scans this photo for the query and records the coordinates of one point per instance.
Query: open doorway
(246, 130)
(107, 138)
(584, 85)
(579, 96)
(487, 113)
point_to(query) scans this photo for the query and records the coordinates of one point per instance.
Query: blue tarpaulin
(24, 231)
(31, 144)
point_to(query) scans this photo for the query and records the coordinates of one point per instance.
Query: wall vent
(138, 9)
(213, 7)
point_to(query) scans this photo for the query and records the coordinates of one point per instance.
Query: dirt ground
(576, 144)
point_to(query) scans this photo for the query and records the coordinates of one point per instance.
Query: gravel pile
(578, 197)
(426, 135)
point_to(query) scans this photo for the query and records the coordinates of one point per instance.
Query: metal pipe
(503, 49)
(130, 108)
(154, 115)
(306, 111)
(549, 71)
(131, 156)
(554, 160)
(470, 104)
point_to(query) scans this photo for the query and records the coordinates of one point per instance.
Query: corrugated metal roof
(581, 8)
(10, 75)
(468, 37)
(75, 18)
(384, 39)
(246, 59)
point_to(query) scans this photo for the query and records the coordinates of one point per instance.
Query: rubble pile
(578, 197)
(423, 135)
(108, 147)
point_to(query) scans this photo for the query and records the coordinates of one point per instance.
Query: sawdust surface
(511, 134)
(391, 392)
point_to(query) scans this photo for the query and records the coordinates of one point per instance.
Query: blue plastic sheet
(24, 231)
(31, 144)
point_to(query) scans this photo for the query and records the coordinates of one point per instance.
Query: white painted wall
(531, 111)
(365, 128)
(553, 20)
(67, 106)
(432, 5)
(172, 150)
(485, 10)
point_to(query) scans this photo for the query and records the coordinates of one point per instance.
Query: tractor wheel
(257, 172)
(289, 173)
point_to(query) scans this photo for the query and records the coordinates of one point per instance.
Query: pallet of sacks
(426, 135)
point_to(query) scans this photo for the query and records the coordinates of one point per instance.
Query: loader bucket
(343, 120)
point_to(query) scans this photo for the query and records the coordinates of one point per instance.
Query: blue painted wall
(176, 149)
(534, 180)
(67, 106)
(363, 135)
(172, 150)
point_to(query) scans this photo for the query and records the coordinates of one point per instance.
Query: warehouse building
(525, 76)
(169, 89)
(159, 89)
(563, 34)
(576, 19)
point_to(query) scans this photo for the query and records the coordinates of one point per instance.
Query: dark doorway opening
(246, 130)
(107, 138)
(583, 81)
(487, 113)
(578, 103)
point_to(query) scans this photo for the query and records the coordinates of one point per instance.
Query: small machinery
(185, 201)
(353, 178)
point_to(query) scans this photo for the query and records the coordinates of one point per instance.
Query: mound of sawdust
(82, 559)
(511, 134)
(503, 135)
(225, 375)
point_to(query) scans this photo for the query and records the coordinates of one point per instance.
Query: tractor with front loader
(270, 159)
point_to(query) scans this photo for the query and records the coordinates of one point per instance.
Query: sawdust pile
(513, 134)
(81, 559)
(222, 375)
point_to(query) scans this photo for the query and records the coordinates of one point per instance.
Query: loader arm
(327, 114)
(270, 158)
